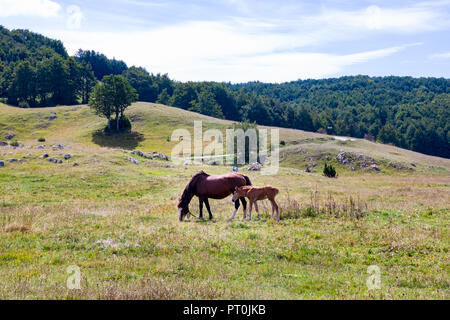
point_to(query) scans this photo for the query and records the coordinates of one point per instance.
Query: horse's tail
(247, 181)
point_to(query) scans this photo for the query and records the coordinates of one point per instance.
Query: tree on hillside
(112, 96)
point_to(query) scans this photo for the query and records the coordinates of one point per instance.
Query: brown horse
(257, 193)
(205, 186)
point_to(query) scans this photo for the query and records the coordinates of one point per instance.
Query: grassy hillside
(153, 125)
(117, 221)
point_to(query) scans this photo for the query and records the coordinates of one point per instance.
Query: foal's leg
(275, 208)
(208, 208)
(250, 211)
(257, 209)
(244, 205)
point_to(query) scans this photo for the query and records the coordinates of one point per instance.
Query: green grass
(118, 223)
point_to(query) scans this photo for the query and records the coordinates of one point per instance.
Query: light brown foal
(257, 193)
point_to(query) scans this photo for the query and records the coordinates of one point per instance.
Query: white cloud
(75, 16)
(39, 8)
(444, 55)
(373, 18)
(218, 52)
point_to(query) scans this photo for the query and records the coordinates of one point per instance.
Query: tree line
(408, 112)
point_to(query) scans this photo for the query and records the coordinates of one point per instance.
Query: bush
(124, 125)
(41, 139)
(329, 171)
(14, 143)
(23, 104)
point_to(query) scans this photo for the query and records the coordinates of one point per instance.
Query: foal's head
(238, 193)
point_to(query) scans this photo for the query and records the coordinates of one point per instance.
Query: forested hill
(412, 113)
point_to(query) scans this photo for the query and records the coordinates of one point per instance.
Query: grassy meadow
(117, 221)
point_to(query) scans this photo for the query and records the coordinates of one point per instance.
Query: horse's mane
(188, 191)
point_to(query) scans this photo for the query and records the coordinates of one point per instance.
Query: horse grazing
(206, 186)
(257, 193)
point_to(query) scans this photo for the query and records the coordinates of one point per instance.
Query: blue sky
(246, 40)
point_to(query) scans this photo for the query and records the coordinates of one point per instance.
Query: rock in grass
(75, 164)
(12, 160)
(67, 156)
(45, 155)
(3, 144)
(2, 163)
(10, 136)
(375, 167)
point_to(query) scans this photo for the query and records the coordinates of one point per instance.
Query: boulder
(375, 167)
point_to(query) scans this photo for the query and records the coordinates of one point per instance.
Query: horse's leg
(200, 206)
(244, 205)
(273, 206)
(250, 211)
(208, 208)
(236, 207)
(278, 209)
(257, 209)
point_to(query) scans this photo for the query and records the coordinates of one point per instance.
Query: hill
(153, 125)
(410, 113)
(117, 221)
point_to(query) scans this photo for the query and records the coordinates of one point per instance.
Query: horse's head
(183, 210)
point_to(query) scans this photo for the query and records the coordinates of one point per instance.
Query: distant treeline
(408, 112)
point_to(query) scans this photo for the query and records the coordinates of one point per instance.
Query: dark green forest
(412, 113)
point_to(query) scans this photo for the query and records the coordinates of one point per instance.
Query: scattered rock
(41, 147)
(2, 163)
(169, 166)
(75, 164)
(132, 160)
(413, 164)
(10, 136)
(45, 155)
(52, 117)
(235, 169)
(60, 161)
(254, 167)
(67, 156)
(3, 144)
(12, 160)
(375, 167)
(58, 146)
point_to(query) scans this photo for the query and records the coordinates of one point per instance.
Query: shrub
(14, 143)
(329, 171)
(124, 125)
(41, 139)
(23, 104)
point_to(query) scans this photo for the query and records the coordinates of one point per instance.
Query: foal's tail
(247, 181)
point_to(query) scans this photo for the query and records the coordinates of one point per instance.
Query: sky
(250, 40)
